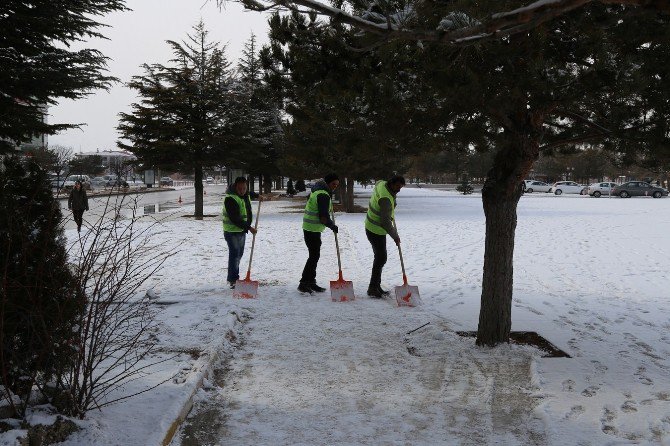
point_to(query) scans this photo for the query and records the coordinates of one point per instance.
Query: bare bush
(115, 337)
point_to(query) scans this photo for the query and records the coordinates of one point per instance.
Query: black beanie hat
(330, 178)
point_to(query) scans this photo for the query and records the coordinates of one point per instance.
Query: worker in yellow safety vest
(316, 219)
(379, 221)
(237, 218)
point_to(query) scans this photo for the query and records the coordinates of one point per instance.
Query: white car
(537, 186)
(567, 187)
(209, 180)
(136, 184)
(598, 189)
(71, 179)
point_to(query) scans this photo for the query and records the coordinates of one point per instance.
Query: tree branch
(497, 25)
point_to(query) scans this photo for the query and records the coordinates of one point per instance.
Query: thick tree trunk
(198, 193)
(267, 182)
(500, 196)
(349, 194)
(252, 181)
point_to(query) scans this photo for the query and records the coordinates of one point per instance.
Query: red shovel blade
(246, 289)
(407, 295)
(341, 290)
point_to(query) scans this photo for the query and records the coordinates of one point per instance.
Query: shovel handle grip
(402, 262)
(337, 247)
(253, 239)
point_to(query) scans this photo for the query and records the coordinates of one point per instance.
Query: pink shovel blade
(341, 290)
(407, 295)
(246, 289)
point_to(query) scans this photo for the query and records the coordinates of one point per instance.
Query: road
(144, 204)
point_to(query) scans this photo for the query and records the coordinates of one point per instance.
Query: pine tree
(290, 190)
(598, 77)
(190, 116)
(39, 64)
(262, 117)
(40, 301)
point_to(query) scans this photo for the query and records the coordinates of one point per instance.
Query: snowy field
(589, 277)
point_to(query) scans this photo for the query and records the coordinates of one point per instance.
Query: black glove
(334, 228)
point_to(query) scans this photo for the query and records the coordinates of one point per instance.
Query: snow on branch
(456, 28)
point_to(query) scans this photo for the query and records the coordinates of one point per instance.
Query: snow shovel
(247, 288)
(340, 290)
(406, 295)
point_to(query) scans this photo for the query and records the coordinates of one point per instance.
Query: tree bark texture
(267, 183)
(350, 194)
(252, 183)
(198, 193)
(500, 197)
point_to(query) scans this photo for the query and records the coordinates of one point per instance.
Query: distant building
(115, 162)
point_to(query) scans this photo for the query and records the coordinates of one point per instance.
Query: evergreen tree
(40, 301)
(290, 190)
(40, 65)
(300, 186)
(595, 76)
(190, 116)
(262, 116)
(343, 120)
(86, 165)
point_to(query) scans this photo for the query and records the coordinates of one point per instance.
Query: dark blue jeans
(235, 241)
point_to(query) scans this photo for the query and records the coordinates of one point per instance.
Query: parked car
(98, 182)
(537, 186)
(567, 187)
(639, 189)
(209, 180)
(71, 179)
(56, 182)
(598, 189)
(166, 181)
(135, 184)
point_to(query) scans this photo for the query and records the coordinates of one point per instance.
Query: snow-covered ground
(589, 277)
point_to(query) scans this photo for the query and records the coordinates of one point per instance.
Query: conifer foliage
(40, 302)
(189, 116)
(39, 65)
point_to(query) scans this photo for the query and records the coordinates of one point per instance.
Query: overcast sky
(137, 37)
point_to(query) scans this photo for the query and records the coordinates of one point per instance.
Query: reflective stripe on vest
(373, 218)
(228, 225)
(310, 218)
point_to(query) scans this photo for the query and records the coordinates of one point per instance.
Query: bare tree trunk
(268, 184)
(348, 195)
(198, 213)
(500, 197)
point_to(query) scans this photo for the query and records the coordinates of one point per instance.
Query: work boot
(384, 292)
(375, 292)
(305, 288)
(232, 285)
(317, 288)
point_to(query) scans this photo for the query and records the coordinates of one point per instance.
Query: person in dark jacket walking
(315, 220)
(78, 203)
(379, 222)
(237, 218)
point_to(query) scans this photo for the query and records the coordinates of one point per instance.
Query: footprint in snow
(629, 406)
(609, 415)
(575, 411)
(568, 385)
(590, 391)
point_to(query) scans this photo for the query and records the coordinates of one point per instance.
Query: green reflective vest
(228, 225)
(310, 219)
(373, 219)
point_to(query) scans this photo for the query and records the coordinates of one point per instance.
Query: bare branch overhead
(497, 25)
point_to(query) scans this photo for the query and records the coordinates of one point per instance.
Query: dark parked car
(639, 189)
(166, 181)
